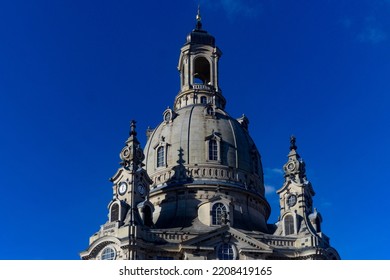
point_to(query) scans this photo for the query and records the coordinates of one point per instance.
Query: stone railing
(280, 242)
(171, 236)
(224, 174)
(200, 86)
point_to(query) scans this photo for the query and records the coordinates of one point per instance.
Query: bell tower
(296, 195)
(129, 211)
(298, 219)
(198, 67)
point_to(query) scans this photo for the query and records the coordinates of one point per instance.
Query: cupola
(198, 67)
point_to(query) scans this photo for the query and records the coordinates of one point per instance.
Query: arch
(160, 156)
(148, 218)
(114, 213)
(213, 147)
(201, 70)
(289, 227)
(219, 215)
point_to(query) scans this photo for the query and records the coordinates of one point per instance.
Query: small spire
(292, 143)
(198, 19)
(132, 128)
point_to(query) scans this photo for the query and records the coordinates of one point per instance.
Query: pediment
(122, 172)
(118, 175)
(288, 185)
(225, 234)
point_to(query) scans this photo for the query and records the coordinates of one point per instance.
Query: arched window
(210, 111)
(213, 150)
(202, 70)
(203, 99)
(318, 224)
(183, 78)
(255, 161)
(108, 254)
(148, 220)
(289, 225)
(114, 212)
(160, 157)
(219, 214)
(225, 252)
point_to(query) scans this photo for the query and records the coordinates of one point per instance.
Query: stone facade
(196, 191)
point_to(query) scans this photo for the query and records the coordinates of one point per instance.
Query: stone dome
(183, 139)
(199, 155)
(200, 159)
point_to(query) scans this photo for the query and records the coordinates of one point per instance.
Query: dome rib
(234, 137)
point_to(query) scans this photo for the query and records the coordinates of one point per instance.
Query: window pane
(114, 213)
(219, 214)
(213, 150)
(289, 225)
(225, 252)
(160, 157)
(108, 254)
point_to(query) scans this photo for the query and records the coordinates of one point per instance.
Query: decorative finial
(132, 128)
(198, 20)
(292, 143)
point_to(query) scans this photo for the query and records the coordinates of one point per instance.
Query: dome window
(213, 150)
(168, 115)
(209, 111)
(219, 214)
(255, 160)
(213, 147)
(160, 157)
(161, 149)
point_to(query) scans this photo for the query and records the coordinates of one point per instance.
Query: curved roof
(185, 137)
(198, 36)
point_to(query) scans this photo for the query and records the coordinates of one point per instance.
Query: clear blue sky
(74, 73)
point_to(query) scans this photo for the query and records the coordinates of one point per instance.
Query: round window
(291, 200)
(108, 254)
(167, 116)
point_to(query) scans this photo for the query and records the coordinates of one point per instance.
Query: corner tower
(298, 219)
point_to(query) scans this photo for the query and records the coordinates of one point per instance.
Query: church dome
(197, 189)
(199, 155)
(200, 158)
(208, 145)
